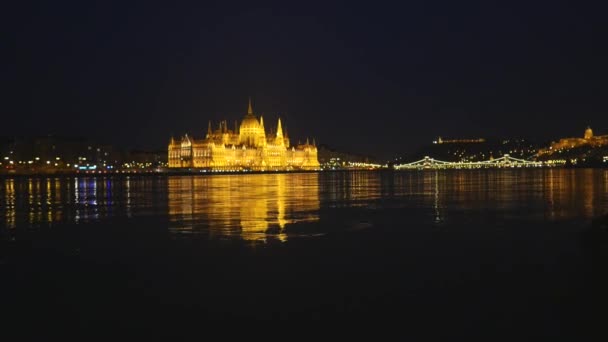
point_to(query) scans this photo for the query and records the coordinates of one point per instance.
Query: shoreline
(191, 172)
(150, 173)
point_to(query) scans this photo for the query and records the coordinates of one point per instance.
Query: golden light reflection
(57, 199)
(9, 203)
(49, 201)
(254, 207)
(571, 193)
(550, 193)
(351, 189)
(128, 196)
(268, 207)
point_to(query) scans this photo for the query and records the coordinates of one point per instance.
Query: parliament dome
(251, 131)
(250, 122)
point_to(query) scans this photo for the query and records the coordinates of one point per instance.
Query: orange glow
(256, 207)
(245, 148)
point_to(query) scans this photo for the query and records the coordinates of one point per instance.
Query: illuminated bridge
(505, 161)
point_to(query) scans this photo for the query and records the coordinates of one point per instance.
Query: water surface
(489, 253)
(265, 206)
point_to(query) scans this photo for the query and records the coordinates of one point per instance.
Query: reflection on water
(253, 206)
(265, 206)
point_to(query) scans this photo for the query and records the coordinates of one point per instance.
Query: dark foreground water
(498, 254)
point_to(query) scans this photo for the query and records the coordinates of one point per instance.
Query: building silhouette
(246, 147)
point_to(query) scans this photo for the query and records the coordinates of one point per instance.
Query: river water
(476, 253)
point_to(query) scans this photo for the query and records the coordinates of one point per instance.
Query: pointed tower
(286, 138)
(261, 135)
(209, 131)
(279, 130)
(279, 134)
(250, 109)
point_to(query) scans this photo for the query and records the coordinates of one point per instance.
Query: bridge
(505, 161)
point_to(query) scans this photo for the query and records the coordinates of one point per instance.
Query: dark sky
(374, 78)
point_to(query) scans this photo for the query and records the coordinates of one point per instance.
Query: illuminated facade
(247, 147)
(588, 139)
(458, 141)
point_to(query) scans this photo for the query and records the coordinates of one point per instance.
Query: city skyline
(46, 144)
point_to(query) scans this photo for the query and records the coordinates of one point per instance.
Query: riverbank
(190, 172)
(143, 172)
(173, 172)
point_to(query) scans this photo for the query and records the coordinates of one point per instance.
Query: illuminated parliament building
(247, 147)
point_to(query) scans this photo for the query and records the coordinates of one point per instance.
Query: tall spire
(209, 129)
(250, 109)
(262, 122)
(279, 129)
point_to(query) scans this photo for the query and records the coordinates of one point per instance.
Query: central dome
(251, 131)
(588, 133)
(250, 121)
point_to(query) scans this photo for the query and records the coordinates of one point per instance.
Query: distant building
(54, 152)
(588, 133)
(146, 158)
(247, 147)
(470, 150)
(458, 141)
(332, 159)
(588, 139)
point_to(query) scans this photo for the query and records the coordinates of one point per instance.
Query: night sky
(373, 78)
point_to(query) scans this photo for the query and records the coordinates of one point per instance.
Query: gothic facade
(247, 147)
